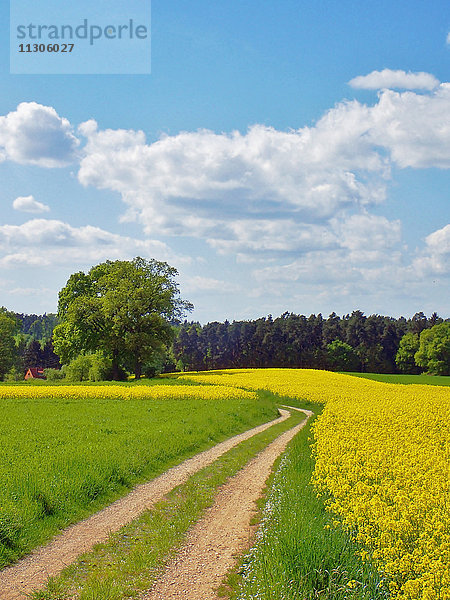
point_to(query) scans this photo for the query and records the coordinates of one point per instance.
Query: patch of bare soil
(223, 533)
(33, 571)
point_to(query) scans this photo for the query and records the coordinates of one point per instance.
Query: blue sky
(283, 156)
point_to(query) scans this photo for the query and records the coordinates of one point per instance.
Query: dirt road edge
(224, 532)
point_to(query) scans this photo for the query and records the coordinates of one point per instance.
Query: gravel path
(223, 533)
(33, 571)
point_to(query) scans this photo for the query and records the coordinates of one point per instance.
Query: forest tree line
(26, 341)
(353, 342)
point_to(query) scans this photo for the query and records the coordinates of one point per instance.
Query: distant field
(129, 383)
(405, 379)
(64, 457)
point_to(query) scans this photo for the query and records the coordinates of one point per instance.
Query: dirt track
(33, 571)
(222, 533)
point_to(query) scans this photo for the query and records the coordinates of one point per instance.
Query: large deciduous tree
(341, 356)
(123, 308)
(404, 359)
(434, 349)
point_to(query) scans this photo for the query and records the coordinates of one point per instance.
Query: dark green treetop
(123, 308)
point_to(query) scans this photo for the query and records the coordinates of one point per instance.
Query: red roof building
(35, 373)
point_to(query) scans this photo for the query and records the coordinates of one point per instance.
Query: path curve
(33, 571)
(224, 532)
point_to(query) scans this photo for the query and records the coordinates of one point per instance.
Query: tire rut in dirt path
(33, 571)
(224, 531)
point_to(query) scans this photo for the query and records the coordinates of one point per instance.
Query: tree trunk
(137, 369)
(115, 366)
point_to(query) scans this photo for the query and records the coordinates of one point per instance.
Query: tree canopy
(123, 308)
(341, 356)
(353, 342)
(404, 359)
(434, 349)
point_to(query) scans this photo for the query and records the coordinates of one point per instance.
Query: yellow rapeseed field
(120, 392)
(382, 458)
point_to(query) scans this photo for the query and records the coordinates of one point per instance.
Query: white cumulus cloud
(50, 242)
(29, 204)
(203, 175)
(435, 257)
(414, 128)
(236, 187)
(35, 134)
(387, 78)
(269, 192)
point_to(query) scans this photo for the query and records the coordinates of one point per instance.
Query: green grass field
(132, 559)
(405, 379)
(62, 459)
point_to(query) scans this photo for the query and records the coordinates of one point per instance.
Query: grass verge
(300, 551)
(133, 558)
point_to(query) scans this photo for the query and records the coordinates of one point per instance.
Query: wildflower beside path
(224, 532)
(32, 572)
